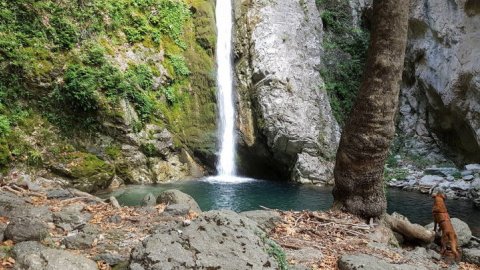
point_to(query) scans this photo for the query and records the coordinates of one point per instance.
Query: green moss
(4, 154)
(113, 151)
(84, 164)
(345, 54)
(58, 62)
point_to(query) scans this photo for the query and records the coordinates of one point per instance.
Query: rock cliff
(101, 92)
(284, 116)
(440, 100)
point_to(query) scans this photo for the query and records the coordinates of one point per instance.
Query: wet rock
(266, 220)
(26, 229)
(362, 261)
(33, 255)
(464, 233)
(215, 240)
(174, 196)
(149, 200)
(471, 256)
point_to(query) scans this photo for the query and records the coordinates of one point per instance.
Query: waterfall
(224, 21)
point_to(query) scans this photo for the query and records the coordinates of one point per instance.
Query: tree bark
(366, 138)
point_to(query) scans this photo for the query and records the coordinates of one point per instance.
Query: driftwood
(412, 232)
(114, 202)
(85, 196)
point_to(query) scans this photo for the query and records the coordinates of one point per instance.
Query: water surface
(251, 195)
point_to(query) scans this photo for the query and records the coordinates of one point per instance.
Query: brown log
(411, 232)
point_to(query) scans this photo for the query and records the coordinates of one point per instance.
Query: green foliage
(79, 90)
(345, 55)
(4, 126)
(85, 165)
(179, 66)
(4, 153)
(277, 252)
(113, 151)
(149, 149)
(56, 63)
(395, 173)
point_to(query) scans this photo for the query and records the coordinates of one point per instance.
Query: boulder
(59, 193)
(464, 233)
(79, 241)
(305, 255)
(36, 212)
(473, 167)
(26, 229)
(471, 256)
(8, 201)
(149, 200)
(33, 255)
(177, 209)
(284, 111)
(215, 240)
(362, 261)
(266, 220)
(174, 196)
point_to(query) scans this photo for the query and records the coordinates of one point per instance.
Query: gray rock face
(464, 233)
(26, 229)
(266, 220)
(33, 255)
(362, 261)
(149, 200)
(440, 100)
(216, 240)
(177, 209)
(174, 196)
(471, 256)
(282, 102)
(70, 218)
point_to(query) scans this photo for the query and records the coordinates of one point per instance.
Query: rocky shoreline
(48, 227)
(455, 183)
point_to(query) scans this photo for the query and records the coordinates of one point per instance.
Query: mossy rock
(4, 154)
(86, 171)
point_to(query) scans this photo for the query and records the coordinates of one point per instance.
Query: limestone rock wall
(284, 112)
(440, 100)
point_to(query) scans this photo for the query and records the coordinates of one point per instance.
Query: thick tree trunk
(359, 187)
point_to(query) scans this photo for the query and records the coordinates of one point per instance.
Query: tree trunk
(366, 138)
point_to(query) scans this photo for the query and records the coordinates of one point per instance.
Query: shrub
(179, 66)
(4, 126)
(80, 88)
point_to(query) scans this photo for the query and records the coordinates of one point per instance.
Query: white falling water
(226, 163)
